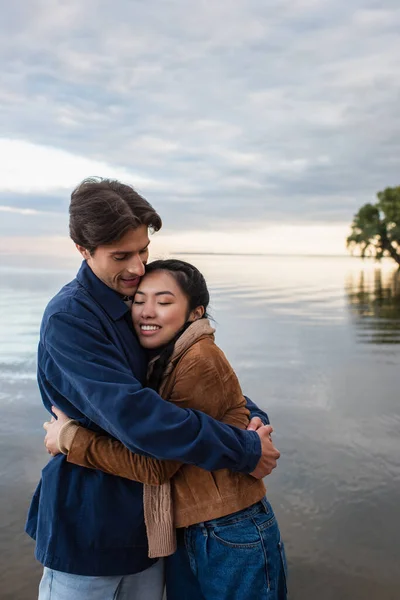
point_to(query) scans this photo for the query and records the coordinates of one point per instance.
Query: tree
(376, 227)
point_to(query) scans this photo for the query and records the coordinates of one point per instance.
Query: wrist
(66, 436)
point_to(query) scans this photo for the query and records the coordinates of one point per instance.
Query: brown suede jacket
(201, 378)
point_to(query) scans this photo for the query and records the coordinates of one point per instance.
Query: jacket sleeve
(207, 392)
(256, 412)
(90, 378)
(95, 451)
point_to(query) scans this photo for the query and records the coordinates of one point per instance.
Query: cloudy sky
(251, 125)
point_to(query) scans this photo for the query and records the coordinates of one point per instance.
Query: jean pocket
(265, 520)
(244, 535)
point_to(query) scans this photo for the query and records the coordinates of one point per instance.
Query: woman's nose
(148, 311)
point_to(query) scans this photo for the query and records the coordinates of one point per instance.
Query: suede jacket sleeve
(96, 451)
(201, 380)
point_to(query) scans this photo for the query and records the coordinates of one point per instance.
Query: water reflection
(374, 302)
(291, 327)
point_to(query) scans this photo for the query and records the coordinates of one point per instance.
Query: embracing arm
(95, 451)
(208, 393)
(84, 367)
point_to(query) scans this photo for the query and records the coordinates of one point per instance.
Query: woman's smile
(159, 310)
(149, 329)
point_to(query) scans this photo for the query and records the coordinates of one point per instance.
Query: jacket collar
(196, 331)
(108, 299)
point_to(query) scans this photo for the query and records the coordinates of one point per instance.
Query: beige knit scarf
(157, 499)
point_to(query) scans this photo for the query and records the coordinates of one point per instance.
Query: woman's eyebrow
(157, 293)
(165, 292)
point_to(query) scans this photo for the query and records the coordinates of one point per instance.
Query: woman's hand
(52, 428)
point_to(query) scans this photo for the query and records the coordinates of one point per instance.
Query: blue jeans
(147, 585)
(238, 557)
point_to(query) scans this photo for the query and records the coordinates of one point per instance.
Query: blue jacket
(91, 366)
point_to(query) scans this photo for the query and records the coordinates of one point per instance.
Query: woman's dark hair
(103, 210)
(193, 285)
(189, 279)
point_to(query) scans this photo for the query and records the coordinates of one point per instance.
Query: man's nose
(136, 266)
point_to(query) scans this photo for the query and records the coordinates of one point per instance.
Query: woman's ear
(196, 314)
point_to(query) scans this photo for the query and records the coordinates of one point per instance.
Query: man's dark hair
(103, 210)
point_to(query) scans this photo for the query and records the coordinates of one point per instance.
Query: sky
(250, 125)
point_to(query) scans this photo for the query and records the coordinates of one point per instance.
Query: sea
(315, 342)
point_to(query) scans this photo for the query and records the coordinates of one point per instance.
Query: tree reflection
(374, 302)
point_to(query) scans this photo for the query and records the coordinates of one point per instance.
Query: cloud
(31, 168)
(18, 211)
(221, 114)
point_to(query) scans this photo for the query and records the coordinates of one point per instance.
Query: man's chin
(127, 290)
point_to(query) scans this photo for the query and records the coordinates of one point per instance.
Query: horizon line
(189, 253)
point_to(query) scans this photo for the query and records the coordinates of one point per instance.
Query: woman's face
(160, 309)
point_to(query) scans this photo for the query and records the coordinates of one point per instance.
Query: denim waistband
(261, 506)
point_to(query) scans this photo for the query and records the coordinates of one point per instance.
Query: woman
(227, 539)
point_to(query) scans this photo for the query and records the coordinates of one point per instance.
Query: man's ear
(85, 253)
(196, 314)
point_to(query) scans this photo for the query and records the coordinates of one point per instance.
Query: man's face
(120, 265)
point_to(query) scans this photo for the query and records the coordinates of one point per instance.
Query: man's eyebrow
(129, 251)
(157, 293)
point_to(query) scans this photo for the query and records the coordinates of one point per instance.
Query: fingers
(265, 430)
(276, 457)
(51, 429)
(255, 424)
(48, 450)
(45, 443)
(268, 429)
(272, 453)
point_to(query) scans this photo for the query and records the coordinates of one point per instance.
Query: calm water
(316, 342)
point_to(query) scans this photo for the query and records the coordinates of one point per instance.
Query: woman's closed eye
(137, 302)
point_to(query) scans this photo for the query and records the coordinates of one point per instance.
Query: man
(89, 526)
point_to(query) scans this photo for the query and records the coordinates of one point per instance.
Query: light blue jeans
(147, 585)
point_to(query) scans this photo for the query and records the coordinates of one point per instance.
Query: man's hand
(52, 428)
(269, 454)
(255, 424)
